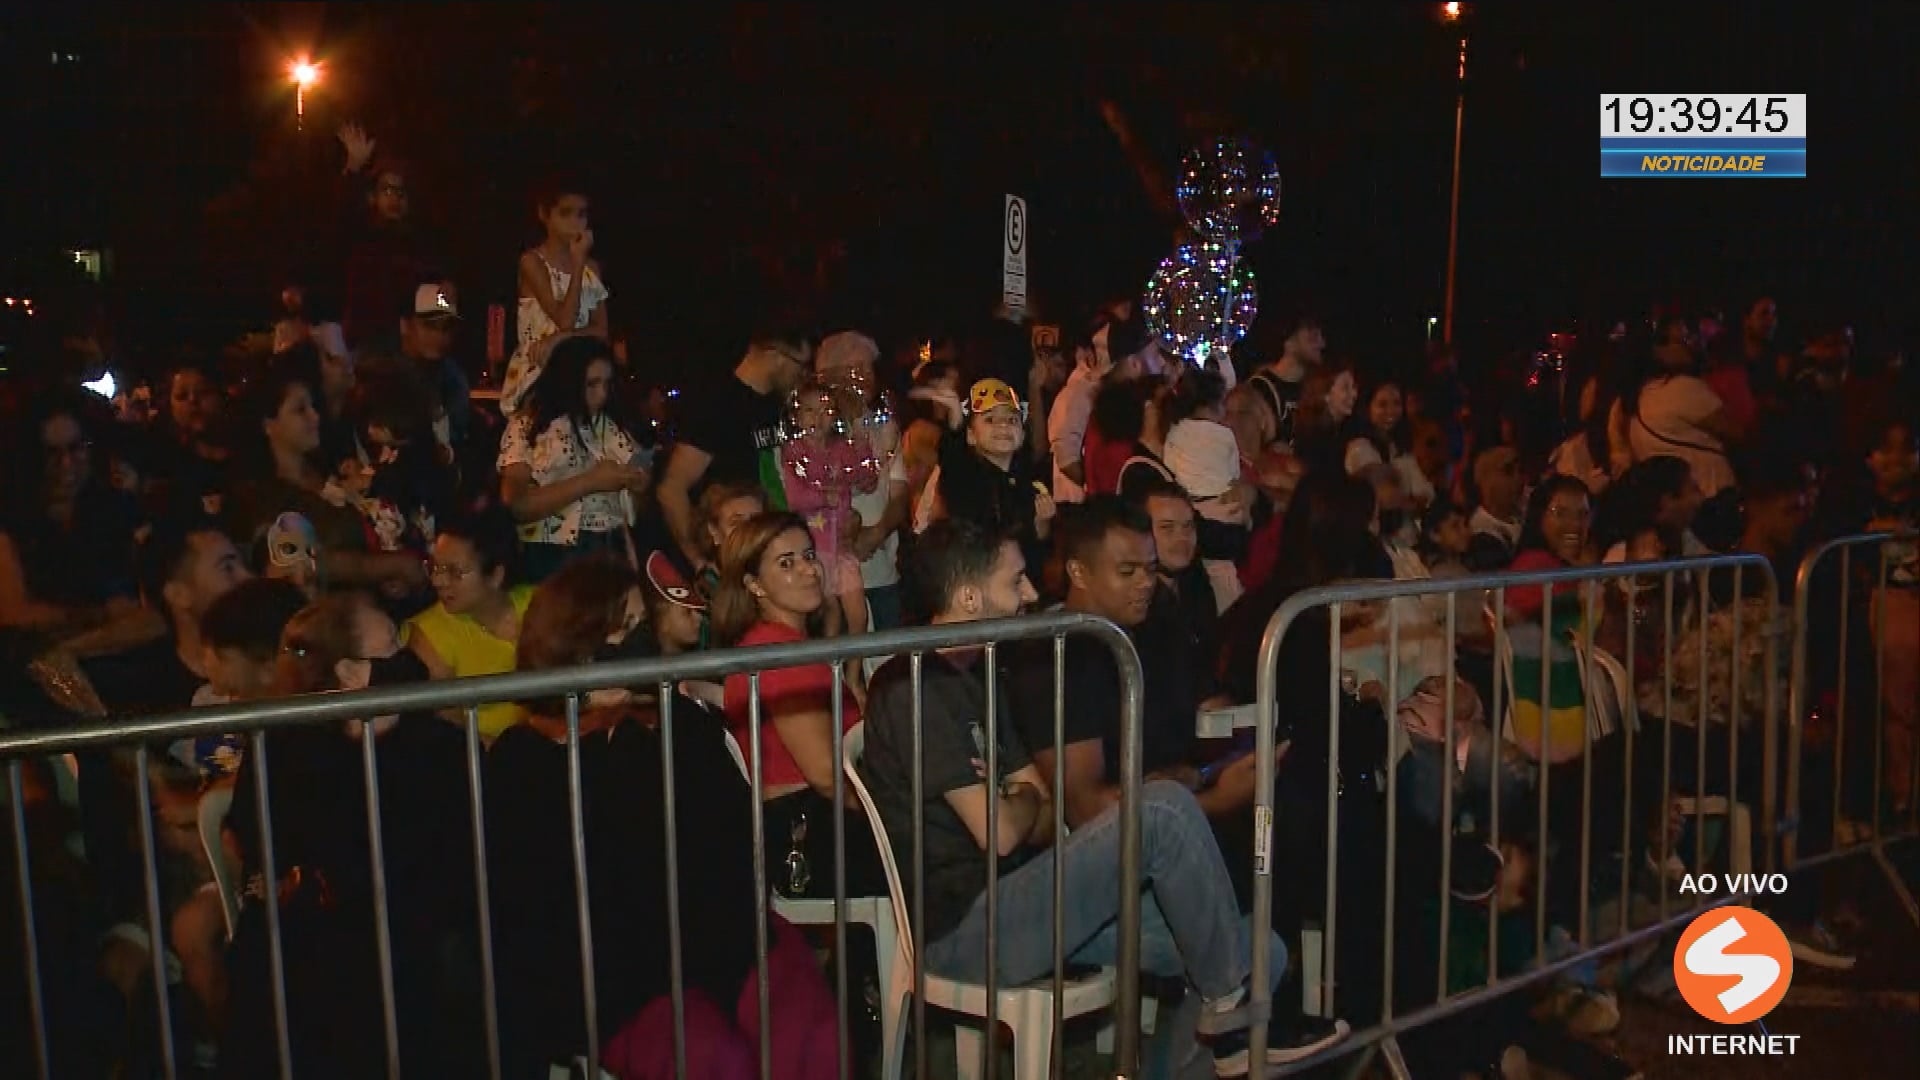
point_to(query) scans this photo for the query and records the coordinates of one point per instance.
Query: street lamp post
(1453, 13)
(304, 73)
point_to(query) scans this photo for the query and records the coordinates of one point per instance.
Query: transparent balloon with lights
(1201, 301)
(832, 438)
(1229, 190)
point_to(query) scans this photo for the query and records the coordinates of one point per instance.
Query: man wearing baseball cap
(426, 342)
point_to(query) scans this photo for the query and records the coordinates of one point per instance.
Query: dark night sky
(726, 148)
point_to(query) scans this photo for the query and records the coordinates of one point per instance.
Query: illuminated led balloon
(1229, 190)
(1201, 300)
(836, 433)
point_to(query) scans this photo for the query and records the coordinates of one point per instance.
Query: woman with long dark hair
(287, 477)
(1327, 400)
(588, 607)
(66, 535)
(566, 462)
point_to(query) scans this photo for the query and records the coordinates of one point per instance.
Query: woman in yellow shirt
(475, 626)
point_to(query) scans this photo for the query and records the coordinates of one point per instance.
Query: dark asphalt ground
(1858, 1025)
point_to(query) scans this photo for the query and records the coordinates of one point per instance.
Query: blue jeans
(1190, 924)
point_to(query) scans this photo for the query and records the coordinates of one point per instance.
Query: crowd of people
(353, 515)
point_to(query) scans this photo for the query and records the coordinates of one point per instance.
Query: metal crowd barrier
(1833, 674)
(1682, 582)
(664, 673)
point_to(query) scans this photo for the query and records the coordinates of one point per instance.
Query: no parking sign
(1013, 261)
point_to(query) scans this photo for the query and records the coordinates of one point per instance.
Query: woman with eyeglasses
(566, 462)
(67, 540)
(474, 626)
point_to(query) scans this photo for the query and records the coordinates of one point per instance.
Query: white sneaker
(1816, 945)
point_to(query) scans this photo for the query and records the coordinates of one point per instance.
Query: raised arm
(536, 285)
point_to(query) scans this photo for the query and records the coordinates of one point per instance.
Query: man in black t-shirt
(184, 567)
(732, 434)
(1279, 382)
(1111, 572)
(1189, 924)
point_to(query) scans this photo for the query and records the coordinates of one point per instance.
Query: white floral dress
(559, 453)
(535, 325)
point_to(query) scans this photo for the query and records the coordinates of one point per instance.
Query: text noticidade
(1703, 163)
(1703, 136)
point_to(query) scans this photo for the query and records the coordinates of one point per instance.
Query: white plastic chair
(1739, 816)
(212, 815)
(873, 912)
(1027, 1010)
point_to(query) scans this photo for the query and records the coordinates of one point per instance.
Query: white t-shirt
(1361, 453)
(1690, 547)
(1067, 429)
(1483, 522)
(881, 569)
(1671, 410)
(1206, 461)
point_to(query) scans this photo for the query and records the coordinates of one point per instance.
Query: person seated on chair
(1108, 550)
(1190, 925)
(590, 606)
(240, 641)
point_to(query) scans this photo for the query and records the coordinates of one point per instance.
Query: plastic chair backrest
(740, 759)
(1617, 688)
(212, 816)
(853, 748)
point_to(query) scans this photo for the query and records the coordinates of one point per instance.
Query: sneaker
(1224, 1014)
(1297, 1040)
(1816, 945)
(1583, 1011)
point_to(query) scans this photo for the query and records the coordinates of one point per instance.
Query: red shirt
(1103, 458)
(796, 689)
(1523, 601)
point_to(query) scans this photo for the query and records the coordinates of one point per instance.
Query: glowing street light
(304, 73)
(1453, 14)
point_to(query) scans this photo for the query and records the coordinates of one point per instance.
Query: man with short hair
(1279, 382)
(1185, 595)
(426, 341)
(1189, 924)
(185, 566)
(731, 433)
(1108, 553)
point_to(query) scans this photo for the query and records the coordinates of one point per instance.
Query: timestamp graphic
(1703, 135)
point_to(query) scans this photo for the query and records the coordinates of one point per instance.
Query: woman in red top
(771, 592)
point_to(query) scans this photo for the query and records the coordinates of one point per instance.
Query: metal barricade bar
(1580, 586)
(258, 719)
(1803, 684)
